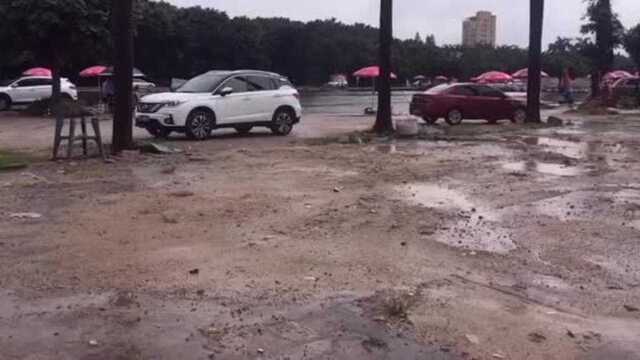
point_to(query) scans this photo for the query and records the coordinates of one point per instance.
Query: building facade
(479, 30)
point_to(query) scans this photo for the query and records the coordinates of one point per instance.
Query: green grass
(12, 161)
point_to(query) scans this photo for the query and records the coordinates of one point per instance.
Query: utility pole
(384, 124)
(535, 60)
(122, 33)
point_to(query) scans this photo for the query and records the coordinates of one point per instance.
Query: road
(479, 241)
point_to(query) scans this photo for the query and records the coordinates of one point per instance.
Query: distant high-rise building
(479, 30)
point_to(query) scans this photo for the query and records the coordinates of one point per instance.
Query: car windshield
(7, 82)
(438, 89)
(205, 83)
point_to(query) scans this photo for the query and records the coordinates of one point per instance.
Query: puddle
(543, 168)
(474, 227)
(571, 149)
(413, 148)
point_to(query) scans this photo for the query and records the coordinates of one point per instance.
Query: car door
(264, 97)
(463, 98)
(235, 107)
(24, 91)
(492, 104)
(43, 88)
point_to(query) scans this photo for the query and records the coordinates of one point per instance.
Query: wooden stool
(97, 137)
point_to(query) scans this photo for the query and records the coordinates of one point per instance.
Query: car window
(438, 89)
(205, 83)
(283, 82)
(238, 84)
(42, 82)
(488, 91)
(28, 82)
(463, 91)
(260, 83)
(7, 82)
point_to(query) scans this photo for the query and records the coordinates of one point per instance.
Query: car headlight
(172, 104)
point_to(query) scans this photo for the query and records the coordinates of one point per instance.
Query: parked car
(456, 102)
(625, 90)
(240, 100)
(142, 84)
(32, 88)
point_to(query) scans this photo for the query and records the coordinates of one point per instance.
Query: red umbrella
(371, 72)
(524, 73)
(38, 71)
(493, 77)
(618, 74)
(93, 71)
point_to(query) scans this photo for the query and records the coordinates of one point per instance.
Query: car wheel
(159, 132)
(519, 116)
(244, 129)
(282, 123)
(5, 103)
(199, 124)
(429, 120)
(454, 117)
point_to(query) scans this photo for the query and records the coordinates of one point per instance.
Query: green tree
(535, 60)
(55, 31)
(609, 32)
(632, 44)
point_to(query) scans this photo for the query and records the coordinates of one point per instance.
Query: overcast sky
(439, 17)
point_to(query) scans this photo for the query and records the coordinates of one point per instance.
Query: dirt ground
(475, 242)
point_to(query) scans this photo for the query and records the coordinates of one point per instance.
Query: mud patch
(543, 168)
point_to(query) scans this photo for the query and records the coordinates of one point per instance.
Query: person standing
(566, 87)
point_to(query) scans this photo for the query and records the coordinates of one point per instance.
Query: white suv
(32, 88)
(222, 99)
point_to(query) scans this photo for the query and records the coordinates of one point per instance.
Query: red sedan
(457, 102)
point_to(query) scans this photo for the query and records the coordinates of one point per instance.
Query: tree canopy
(185, 41)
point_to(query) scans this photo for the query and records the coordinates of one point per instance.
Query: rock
(407, 127)
(571, 334)
(630, 308)
(404, 243)
(537, 337)
(170, 217)
(109, 161)
(27, 215)
(337, 189)
(182, 194)
(554, 121)
(260, 351)
(472, 339)
(93, 342)
(194, 272)
(168, 170)
(153, 148)
(498, 356)
(311, 278)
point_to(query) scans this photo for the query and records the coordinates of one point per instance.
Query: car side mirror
(14, 85)
(226, 91)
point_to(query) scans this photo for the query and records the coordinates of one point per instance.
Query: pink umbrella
(38, 71)
(493, 77)
(524, 73)
(618, 74)
(371, 72)
(93, 71)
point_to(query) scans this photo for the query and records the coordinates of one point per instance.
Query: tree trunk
(384, 124)
(122, 33)
(535, 60)
(604, 43)
(54, 104)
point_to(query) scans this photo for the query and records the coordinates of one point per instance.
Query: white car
(32, 88)
(222, 99)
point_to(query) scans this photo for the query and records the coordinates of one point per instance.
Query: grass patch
(12, 161)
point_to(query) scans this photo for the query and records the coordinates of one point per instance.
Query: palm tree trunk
(384, 124)
(122, 33)
(535, 60)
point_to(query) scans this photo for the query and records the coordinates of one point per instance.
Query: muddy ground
(476, 242)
